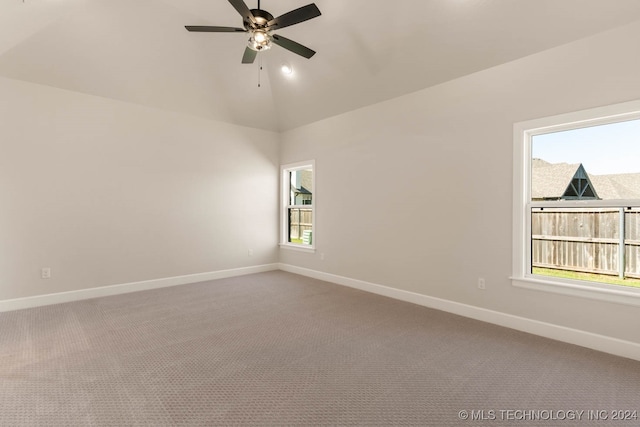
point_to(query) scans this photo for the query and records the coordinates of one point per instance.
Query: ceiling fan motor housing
(261, 17)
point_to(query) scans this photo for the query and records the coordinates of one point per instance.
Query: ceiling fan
(260, 24)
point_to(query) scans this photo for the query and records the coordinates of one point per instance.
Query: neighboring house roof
(301, 190)
(549, 181)
(305, 182)
(617, 186)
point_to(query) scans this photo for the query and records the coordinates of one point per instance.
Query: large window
(577, 203)
(298, 196)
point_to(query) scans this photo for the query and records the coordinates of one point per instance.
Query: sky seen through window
(604, 149)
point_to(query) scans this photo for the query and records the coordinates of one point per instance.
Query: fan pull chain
(259, 70)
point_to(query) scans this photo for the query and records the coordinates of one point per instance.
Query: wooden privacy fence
(300, 220)
(603, 241)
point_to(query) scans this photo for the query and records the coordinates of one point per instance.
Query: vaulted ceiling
(138, 51)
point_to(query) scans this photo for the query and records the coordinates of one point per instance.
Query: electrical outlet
(45, 273)
(481, 284)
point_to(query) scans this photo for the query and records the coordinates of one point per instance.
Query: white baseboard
(590, 340)
(60, 297)
(573, 336)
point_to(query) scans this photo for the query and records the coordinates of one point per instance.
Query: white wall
(104, 192)
(413, 193)
(416, 193)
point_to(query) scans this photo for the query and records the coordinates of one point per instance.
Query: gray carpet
(280, 349)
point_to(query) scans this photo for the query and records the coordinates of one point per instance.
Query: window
(577, 204)
(298, 197)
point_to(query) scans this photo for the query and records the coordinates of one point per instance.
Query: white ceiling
(138, 51)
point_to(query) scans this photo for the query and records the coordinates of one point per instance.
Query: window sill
(595, 291)
(299, 248)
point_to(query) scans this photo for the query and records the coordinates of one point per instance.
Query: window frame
(523, 132)
(285, 185)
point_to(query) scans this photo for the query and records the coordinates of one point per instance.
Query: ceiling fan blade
(292, 46)
(294, 17)
(249, 56)
(244, 11)
(210, 29)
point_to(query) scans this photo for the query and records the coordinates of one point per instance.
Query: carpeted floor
(280, 349)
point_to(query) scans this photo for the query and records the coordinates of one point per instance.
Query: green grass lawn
(600, 278)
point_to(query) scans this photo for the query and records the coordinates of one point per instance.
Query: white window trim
(284, 206)
(521, 257)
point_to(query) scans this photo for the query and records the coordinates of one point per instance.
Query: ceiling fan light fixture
(259, 40)
(260, 36)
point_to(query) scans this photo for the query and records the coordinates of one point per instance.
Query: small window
(577, 202)
(298, 197)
